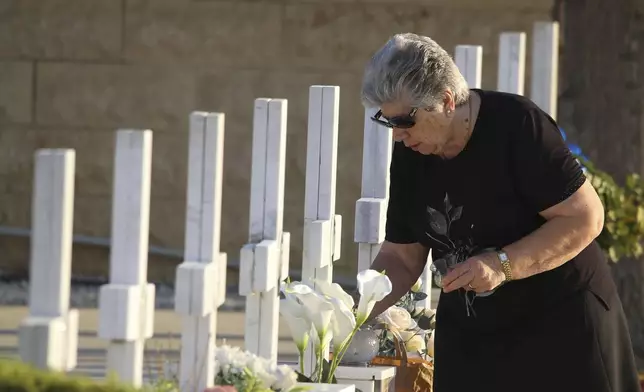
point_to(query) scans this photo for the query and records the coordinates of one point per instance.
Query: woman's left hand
(479, 273)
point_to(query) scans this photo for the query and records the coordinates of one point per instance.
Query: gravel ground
(15, 292)
(85, 295)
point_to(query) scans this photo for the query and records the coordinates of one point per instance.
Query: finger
(459, 282)
(459, 270)
(452, 276)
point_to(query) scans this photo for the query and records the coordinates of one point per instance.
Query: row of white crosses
(512, 58)
(264, 259)
(48, 336)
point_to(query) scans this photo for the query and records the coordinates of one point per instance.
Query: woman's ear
(448, 103)
(448, 100)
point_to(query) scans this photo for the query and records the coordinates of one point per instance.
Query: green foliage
(162, 385)
(326, 369)
(624, 213)
(245, 381)
(19, 377)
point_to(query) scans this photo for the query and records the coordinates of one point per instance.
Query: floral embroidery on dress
(455, 250)
(440, 223)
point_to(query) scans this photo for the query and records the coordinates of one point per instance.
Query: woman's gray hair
(413, 69)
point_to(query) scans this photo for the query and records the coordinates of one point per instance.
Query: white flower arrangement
(325, 313)
(411, 324)
(249, 373)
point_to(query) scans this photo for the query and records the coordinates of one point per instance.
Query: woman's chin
(425, 150)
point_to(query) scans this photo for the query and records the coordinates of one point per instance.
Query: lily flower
(334, 290)
(318, 310)
(373, 286)
(320, 341)
(295, 316)
(295, 288)
(343, 323)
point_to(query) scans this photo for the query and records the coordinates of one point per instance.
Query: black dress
(563, 330)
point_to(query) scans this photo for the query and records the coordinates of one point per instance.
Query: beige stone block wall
(73, 71)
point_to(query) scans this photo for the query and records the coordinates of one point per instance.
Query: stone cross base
(367, 379)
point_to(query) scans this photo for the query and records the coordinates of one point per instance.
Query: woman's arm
(400, 256)
(549, 181)
(403, 264)
(571, 226)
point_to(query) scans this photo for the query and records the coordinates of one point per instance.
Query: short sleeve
(545, 170)
(398, 227)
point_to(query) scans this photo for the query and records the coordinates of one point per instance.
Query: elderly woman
(484, 179)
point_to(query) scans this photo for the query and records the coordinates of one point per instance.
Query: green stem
(342, 350)
(320, 360)
(301, 352)
(329, 378)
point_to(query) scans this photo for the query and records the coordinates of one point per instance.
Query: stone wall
(73, 71)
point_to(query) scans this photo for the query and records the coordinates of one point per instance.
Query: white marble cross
(322, 227)
(469, 60)
(264, 259)
(126, 303)
(48, 337)
(201, 277)
(511, 76)
(545, 66)
(371, 208)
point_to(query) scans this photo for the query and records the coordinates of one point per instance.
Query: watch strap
(505, 264)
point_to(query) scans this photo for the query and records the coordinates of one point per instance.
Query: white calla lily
(319, 312)
(343, 323)
(293, 289)
(373, 287)
(315, 338)
(295, 316)
(334, 290)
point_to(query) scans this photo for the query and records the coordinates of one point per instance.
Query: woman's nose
(399, 134)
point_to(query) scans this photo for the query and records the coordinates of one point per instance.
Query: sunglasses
(405, 121)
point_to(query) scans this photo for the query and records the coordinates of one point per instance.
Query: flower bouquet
(247, 372)
(412, 324)
(326, 314)
(407, 342)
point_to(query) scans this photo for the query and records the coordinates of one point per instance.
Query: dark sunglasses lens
(402, 122)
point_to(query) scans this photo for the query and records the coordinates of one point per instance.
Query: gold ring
(470, 286)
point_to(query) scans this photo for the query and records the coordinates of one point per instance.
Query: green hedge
(624, 213)
(19, 377)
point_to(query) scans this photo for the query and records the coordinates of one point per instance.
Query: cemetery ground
(162, 348)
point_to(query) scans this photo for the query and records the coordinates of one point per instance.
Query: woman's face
(431, 133)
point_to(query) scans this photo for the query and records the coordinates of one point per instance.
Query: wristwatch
(505, 264)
